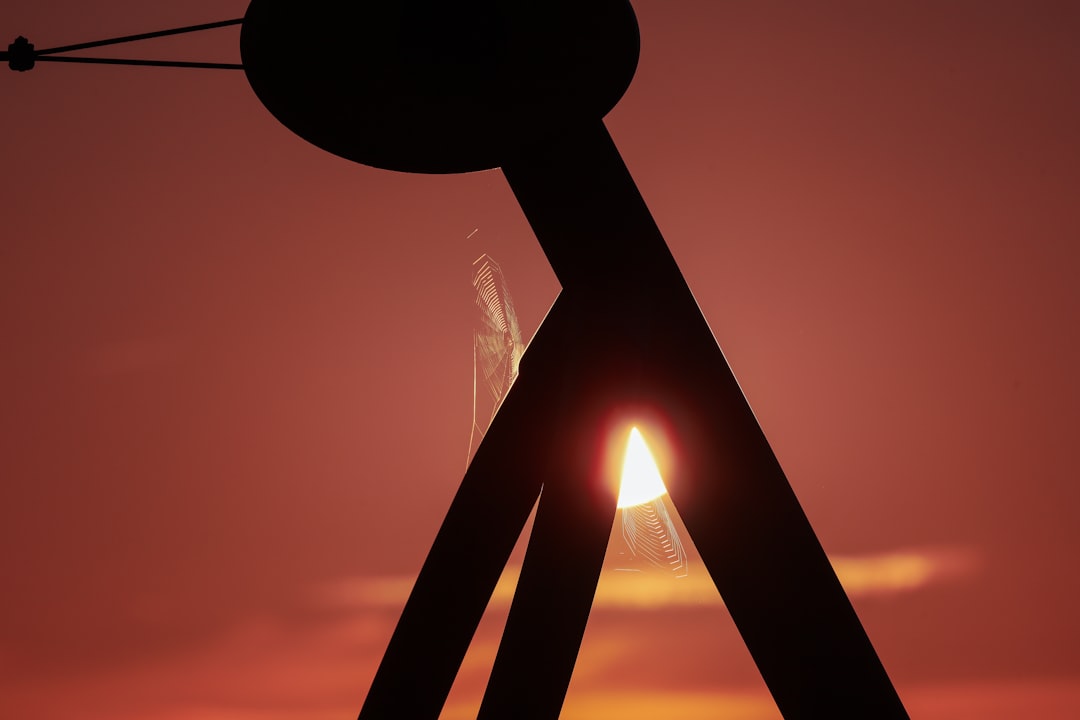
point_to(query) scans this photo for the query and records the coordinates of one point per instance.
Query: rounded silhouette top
(437, 86)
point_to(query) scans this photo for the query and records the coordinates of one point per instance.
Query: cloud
(263, 669)
(881, 574)
(318, 669)
(387, 591)
(633, 705)
(902, 571)
(1043, 699)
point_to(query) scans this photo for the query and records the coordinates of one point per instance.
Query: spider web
(650, 536)
(649, 533)
(497, 346)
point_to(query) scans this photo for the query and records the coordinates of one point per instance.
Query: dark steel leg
(473, 544)
(569, 538)
(761, 551)
(551, 606)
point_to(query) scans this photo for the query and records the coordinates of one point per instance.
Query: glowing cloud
(894, 573)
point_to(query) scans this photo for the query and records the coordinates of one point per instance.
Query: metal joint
(20, 55)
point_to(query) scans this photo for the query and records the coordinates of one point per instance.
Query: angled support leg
(757, 542)
(551, 605)
(569, 539)
(499, 490)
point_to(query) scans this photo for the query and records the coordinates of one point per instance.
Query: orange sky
(236, 370)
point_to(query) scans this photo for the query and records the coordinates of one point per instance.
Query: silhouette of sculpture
(440, 87)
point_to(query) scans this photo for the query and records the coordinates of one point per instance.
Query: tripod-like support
(432, 86)
(637, 339)
(438, 87)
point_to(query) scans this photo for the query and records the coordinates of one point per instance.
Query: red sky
(236, 370)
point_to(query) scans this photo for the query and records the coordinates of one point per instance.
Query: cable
(21, 55)
(142, 36)
(149, 63)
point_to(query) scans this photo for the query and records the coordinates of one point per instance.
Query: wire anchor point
(20, 55)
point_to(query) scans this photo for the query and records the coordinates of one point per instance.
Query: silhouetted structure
(438, 87)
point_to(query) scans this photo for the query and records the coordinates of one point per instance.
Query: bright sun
(641, 481)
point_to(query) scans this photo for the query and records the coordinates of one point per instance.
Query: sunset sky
(236, 371)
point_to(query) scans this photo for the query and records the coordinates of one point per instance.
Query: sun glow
(641, 481)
